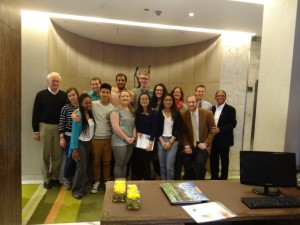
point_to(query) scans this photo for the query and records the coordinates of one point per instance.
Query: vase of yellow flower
(119, 192)
(133, 197)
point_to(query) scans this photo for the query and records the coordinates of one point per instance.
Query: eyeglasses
(220, 96)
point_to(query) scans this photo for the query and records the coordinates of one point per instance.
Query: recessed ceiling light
(191, 14)
(261, 2)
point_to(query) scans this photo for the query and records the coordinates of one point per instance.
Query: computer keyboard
(271, 202)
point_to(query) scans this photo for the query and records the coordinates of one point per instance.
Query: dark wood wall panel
(10, 112)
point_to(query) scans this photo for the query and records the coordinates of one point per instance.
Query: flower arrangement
(119, 191)
(133, 199)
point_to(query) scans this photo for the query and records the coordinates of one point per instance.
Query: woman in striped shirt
(65, 131)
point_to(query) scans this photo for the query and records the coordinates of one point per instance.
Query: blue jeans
(167, 159)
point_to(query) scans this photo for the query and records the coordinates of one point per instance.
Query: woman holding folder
(146, 130)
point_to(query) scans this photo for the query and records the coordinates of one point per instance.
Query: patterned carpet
(56, 205)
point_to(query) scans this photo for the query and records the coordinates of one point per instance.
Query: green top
(93, 95)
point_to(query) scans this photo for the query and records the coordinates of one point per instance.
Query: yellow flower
(133, 192)
(133, 196)
(120, 186)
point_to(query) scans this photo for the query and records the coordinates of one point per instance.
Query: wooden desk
(156, 208)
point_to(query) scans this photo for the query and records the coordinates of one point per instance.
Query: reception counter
(156, 208)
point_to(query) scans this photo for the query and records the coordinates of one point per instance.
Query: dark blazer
(146, 124)
(226, 124)
(177, 126)
(206, 122)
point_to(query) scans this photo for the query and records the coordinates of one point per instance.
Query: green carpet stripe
(68, 210)
(28, 191)
(44, 207)
(31, 205)
(91, 207)
(71, 210)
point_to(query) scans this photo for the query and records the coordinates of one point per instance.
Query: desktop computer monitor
(269, 170)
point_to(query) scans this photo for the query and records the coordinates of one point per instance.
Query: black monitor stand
(267, 191)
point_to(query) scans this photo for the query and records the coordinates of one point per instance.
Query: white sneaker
(95, 188)
(67, 185)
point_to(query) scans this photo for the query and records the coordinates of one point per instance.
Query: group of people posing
(98, 132)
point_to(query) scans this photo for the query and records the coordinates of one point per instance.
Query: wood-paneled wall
(10, 112)
(78, 59)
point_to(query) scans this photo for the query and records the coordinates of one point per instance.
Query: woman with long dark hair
(145, 125)
(169, 129)
(159, 92)
(80, 146)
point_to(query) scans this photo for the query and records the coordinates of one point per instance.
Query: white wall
(250, 96)
(292, 135)
(277, 113)
(34, 75)
(233, 79)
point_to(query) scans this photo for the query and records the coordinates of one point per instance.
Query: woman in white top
(80, 145)
(169, 129)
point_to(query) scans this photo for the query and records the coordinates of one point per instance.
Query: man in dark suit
(225, 119)
(197, 138)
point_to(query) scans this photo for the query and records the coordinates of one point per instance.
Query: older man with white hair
(45, 119)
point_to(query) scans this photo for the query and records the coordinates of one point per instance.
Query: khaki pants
(51, 151)
(122, 156)
(101, 152)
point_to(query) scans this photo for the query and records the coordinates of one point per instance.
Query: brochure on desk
(183, 193)
(210, 211)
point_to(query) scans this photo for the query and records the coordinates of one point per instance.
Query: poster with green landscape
(183, 193)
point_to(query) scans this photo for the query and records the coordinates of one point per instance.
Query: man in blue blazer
(225, 120)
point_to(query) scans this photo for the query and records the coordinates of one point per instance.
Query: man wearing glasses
(144, 79)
